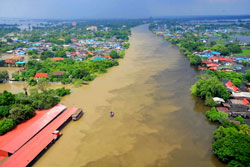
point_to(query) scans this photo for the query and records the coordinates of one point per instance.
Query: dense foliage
(211, 87)
(215, 116)
(232, 146)
(4, 75)
(16, 108)
(72, 70)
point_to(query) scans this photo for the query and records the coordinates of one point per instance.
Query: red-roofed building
(213, 68)
(57, 58)
(225, 59)
(212, 65)
(231, 87)
(245, 101)
(90, 53)
(108, 57)
(229, 84)
(235, 89)
(206, 61)
(213, 58)
(41, 75)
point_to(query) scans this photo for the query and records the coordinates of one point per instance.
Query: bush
(195, 60)
(6, 125)
(211, 87)
(4, 75)
(240, 119)
(114, 54)
(4, 111)
(44, 100)
(215, 116)
(223, 132)
(233, 149)
(210, 101)
(7, 98)
(62, 91)
(32, 82)
(20, 112)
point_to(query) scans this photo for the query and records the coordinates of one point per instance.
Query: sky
(98, 9)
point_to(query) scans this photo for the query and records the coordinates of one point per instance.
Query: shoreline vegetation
(232, 138)
(17, 108)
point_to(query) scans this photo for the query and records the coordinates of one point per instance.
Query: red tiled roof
(225, 59)
(213, 58)
(13, 140)
(235, 88)
(245, 101)
(206, 61)
(229, 84)
(107, 57)
(57, 58)
(213, 68)
(212, 65)
(9, 61)
(33, 147)
(40, 75)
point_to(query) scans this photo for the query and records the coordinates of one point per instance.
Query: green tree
(114, 54)
(247, 75)
(32, 82)
(245, 129)
(42, 84)
(60, 53)
(4, 111)
(44, 100)
(222, 49)
(233, 149)
(20, 112)
(7, 98)
(209, 87)
(6, 125)
(236, 81)
(195, 60)
(4, 75)
(212, 43)
(240, 119)
(215, 116)
(46, 54)
(234, 48)
(62, 91)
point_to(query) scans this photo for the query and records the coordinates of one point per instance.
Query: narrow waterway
(157, 122)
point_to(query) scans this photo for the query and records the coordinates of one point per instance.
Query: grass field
(244, 53)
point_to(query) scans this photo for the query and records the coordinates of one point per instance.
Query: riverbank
(231, 139)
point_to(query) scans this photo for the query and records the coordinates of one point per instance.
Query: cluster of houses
(238, 104)
(100, 49)
(214, 61)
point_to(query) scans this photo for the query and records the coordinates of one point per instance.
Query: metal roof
(19, 140)
(38, 143)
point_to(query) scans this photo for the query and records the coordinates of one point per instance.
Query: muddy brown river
(157, 122)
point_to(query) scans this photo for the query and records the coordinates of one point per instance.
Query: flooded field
(157, 122)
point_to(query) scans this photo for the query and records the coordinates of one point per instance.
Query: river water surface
(157, 122)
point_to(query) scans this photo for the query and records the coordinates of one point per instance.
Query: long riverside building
(32, 140)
